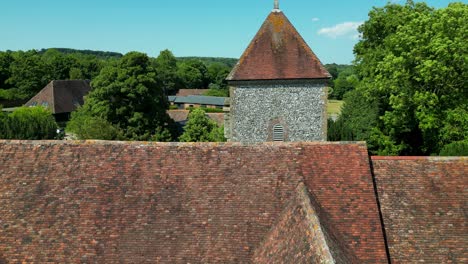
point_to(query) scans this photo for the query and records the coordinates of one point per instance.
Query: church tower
(278, 89)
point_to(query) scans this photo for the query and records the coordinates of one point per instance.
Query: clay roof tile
(278, 52)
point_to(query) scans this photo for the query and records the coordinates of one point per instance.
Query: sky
(210, 28)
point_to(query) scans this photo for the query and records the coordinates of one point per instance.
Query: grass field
(334, 107)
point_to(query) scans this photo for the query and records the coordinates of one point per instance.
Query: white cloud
(315, 19)
(346, 29)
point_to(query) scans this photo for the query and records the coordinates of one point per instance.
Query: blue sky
(214, 28)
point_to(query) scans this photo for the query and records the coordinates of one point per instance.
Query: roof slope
(300, 237)
(139, 202)
(200, 99)
(424, 204)
(187, 92)
(278, 52)
(62, 96)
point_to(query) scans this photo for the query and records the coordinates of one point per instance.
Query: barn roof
(278, 52)
(61, 96)
(199, 99)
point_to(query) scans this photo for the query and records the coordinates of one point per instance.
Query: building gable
(61, 96)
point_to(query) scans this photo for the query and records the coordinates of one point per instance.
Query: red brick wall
(424, 204)
(145, 203)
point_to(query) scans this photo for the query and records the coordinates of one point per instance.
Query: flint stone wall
(299, 106)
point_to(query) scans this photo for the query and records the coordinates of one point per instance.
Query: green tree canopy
(28, 123)
(217, 73)
(193, 74)
(5, 60)
(166, 72)
(23, 74)
(412, 62)
(200, 128)
(82, 126)
(345, 82)
(28, 75)
(127, 96)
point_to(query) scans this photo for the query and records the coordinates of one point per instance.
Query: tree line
(411, 72)
(31, 123)
(129, 102)
(24, 73)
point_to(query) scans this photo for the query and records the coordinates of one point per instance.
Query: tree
(23, 74)
(456, 148)
(87, 67)
(166, 72)
(217, 91)
(89, 127)
(4, 125)
(357, 120)
(333, 70)
(28, 123)
(76, 74)
(28, 75)
(200, 128)
(412, 63)
(5, 60)
(57, 65)
(346, 81)
(193, 74)
(217, 74)
(128, 97)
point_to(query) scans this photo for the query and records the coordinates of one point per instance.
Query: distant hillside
(99, 54)
(335, 69)
(230, 62)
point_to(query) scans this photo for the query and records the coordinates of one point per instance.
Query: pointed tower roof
(278, 52)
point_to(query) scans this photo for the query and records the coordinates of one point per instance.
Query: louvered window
(278, 133)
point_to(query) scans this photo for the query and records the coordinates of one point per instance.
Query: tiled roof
(61, 96)
(278, 52)
(187, 92)
(424, 207)
(140, 202)
(301, 235)
(178, 115)
(217, 117)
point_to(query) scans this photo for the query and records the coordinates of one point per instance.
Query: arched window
(278, 133)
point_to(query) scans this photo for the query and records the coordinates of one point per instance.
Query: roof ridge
(322, 241)
(328, 234)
